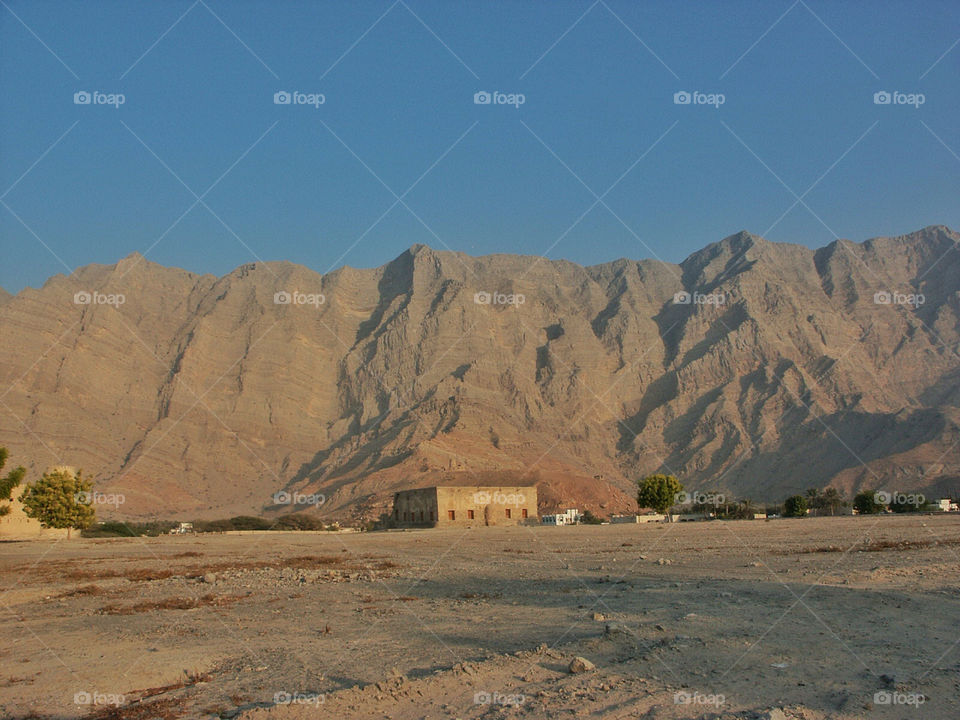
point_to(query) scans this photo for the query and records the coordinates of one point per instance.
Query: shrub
(795, 506)
(865, 503)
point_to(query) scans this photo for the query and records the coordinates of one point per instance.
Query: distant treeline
(241, 522)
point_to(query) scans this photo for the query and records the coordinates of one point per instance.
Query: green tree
(832, 499)
(59, 499)
(588, 518)
(8, 482)
(795, 506)
(866, 503)
(658, 492)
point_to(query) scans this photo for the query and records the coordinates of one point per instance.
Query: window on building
(431, 516)
(421, 516)
(469, 514)
(523, 513)
(451, 515)
(507, 512)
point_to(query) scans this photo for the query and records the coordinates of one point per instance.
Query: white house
(570, 516)
(948, 505)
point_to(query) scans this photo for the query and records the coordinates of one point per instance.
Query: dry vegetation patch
(171, 603)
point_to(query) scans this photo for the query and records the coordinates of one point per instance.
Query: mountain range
(753, 368)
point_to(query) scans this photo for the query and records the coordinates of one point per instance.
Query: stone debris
(581, 665)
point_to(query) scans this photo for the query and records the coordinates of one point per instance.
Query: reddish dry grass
(171, 603)
(304, 562)
(160, 709)
(877, 546)
(82, 590)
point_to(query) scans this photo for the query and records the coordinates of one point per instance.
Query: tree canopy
(8, 482)
(658, 492)
(59, 499)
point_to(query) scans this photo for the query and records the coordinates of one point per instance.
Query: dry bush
(82, 590)
(160, 709)
(171, 603)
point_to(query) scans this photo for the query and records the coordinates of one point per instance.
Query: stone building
(15, 525)
(465, 506)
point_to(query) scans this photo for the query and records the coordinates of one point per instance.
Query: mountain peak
(395, 374)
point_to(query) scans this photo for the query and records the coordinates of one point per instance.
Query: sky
(587, 150)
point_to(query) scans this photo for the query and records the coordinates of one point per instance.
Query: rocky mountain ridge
(753, 367)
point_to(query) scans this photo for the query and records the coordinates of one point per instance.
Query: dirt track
(739, 619)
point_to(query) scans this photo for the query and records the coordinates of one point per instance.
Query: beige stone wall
(469, 506)
(415, 507)
(17, 526)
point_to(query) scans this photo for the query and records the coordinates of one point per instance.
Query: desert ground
(812, 618)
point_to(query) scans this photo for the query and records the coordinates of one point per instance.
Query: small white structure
(182, 529)
(570, 516)
(948, 505)
(638, 519)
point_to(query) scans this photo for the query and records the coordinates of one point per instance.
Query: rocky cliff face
(753, 367)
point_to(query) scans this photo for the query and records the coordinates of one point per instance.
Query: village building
(465, 506)
(570, 516)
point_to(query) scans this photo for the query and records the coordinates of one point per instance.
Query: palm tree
(832, 499)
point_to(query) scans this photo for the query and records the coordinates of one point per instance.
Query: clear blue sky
(798, 80)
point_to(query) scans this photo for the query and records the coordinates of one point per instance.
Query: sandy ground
(813, 618)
